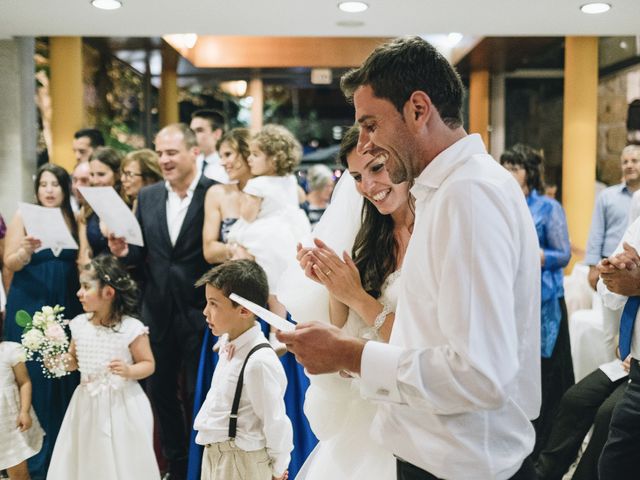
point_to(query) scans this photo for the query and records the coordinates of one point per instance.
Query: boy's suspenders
(233, 421)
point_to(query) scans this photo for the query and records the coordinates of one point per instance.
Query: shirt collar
(191, 188)
(247, 337)
(624, 189)
(447, 161)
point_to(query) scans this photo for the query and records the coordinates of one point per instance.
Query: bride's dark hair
(375, 249)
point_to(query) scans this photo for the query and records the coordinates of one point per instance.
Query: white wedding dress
(341, 418)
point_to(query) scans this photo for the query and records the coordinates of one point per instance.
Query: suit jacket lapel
(161, 212)
(197, 203)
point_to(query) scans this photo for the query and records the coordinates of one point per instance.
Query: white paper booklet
(271, 318)
(116, 215)
(48, 226)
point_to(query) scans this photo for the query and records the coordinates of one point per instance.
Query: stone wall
(615, 92)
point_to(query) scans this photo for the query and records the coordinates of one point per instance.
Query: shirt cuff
(592, 259)
(280, 464)
(379, 372)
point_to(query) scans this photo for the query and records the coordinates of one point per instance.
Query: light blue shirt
(609, 222)
(553, 236)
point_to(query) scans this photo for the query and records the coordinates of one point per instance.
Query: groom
(459, 381)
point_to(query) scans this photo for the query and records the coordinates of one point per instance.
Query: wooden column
(256, 92)
(479, 104)
(66, 89)
(579, 139)
(168, 101)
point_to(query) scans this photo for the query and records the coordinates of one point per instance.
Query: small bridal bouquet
(45, 339)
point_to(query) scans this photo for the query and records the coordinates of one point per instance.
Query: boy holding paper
(242, 422)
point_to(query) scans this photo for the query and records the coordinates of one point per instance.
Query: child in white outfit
(243, 422)
(107, 432)
(271, 222)
(20, 432)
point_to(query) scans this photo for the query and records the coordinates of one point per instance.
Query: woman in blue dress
(525, 164)
(43, 277)
(222, 209)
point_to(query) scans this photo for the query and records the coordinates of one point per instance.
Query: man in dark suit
(171, 214)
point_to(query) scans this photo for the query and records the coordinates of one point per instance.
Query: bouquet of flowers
(45, 340)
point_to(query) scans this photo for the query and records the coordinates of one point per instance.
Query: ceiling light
(595, 7)
(181, 41)
(352, 7)
(106, 4)
(454, 39)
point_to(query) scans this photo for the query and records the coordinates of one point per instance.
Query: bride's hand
(340, 276)
(304, 255)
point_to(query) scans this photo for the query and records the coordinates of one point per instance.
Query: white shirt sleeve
(612, 300)
(471, 333)
(265, 387)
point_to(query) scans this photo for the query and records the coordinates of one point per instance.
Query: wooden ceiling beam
(277, 52)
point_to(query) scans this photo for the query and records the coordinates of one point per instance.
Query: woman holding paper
(104, 171)
(41, 278)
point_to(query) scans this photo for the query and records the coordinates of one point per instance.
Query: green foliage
(23, 319)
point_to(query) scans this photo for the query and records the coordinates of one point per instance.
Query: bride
(362, 295)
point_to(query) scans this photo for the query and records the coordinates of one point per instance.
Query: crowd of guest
(185, 218)
(205, 196)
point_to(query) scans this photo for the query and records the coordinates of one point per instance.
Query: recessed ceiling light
(106, 4)
(595, 7)
(352, 7)
(454, 38)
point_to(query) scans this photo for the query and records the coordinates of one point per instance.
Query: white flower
(47, 310)
(32, 339)
(50, 318)
(38, 319)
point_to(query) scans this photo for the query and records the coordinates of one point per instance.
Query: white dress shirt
(177, 208)
(616, 302)
(212, 168)
(459, 380)
(262, 419)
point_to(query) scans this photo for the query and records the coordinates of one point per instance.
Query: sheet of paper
(115, 214)
(48, 226)
(614, 370)
(272, 319)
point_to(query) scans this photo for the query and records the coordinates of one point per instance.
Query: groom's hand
(322, 348)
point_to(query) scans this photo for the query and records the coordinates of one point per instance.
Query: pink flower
(55, 334)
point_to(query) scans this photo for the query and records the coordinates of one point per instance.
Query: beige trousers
(225, 461)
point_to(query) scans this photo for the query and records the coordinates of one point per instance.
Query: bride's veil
(307, 300)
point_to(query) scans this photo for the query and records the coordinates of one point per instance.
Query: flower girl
(107, 432)
(20, 432)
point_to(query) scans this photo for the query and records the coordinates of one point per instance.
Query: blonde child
(20, 432)
(272, 223)
(107, 432)
(254, 441)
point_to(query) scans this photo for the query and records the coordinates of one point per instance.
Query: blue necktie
(626, 325)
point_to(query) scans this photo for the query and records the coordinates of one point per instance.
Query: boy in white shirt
(256, 440)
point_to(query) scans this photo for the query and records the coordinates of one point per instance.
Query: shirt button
(383, 392)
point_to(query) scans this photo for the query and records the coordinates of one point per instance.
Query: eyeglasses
(130, 175)
(513, 168)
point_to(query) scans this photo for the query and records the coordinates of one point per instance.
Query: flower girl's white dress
(15, 446)
(107, 432)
